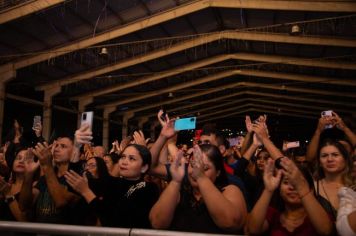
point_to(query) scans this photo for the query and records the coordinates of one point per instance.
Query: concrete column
(125, 122)
(142, 121)
(153, 126)
(106, 126)
(82, 103)
(47, 111)
(6, 74)
(2, 104)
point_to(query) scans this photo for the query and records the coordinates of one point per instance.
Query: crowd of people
(208, 186)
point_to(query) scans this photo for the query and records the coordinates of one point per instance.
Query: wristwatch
(9, 199)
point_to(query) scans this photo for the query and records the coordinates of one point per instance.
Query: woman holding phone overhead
(198, 198)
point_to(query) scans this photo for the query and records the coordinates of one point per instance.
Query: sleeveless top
(193, 216)
(326, 204)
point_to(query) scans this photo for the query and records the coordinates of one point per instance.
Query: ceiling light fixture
(103, 51)
(295, 30)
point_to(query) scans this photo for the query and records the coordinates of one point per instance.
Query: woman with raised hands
(300, 212)
(199, 198)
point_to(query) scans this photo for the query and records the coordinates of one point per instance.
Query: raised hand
(197, 163)
(177, 167)
(248, 124)
(323, 121)
(83, 135)
(167, 125)
(294, 176)
(139, 138)
(38, 129)
(43, 152)
(271, 180)
(260, 130)
(338, 122)
(77, 182)
(30, 165)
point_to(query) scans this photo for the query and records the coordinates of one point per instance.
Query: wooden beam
(26, 8)
(310, 62)
(236, 35)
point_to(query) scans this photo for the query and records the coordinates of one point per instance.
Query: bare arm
(228, 208)
(257, 222)
(316, 213)
(262, 133)
(59, 193)
(161, 214)
(312, 149)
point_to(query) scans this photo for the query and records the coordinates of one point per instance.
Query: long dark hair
(214, 155)
(101, 168)
(144, 153)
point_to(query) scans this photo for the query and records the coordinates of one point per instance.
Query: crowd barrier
(40, 229)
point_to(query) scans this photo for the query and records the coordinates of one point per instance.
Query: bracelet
(304, 195)
(10, 199)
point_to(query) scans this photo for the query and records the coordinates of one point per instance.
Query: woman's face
(209, 170)
(288, 192)
(92, 168)
(130, 164)
(262, 157)
(19, 162)
(108, 162)
(331, 160)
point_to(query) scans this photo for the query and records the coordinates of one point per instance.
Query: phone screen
(185, 123)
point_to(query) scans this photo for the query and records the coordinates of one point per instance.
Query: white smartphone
(328, 113)
(36, 121)
(87, 118)
(292, 144)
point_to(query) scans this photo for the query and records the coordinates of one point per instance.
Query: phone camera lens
(84, 116)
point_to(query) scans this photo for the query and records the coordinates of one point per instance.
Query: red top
(276, 228)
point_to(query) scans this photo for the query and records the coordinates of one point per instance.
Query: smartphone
(36, 121)
(185, 123)
(292, 144)
(87, 118)
(328, 113)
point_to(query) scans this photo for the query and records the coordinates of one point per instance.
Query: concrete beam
(25, 9)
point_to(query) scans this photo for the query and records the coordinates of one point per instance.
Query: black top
(125, 203)
(5, 212)
(193, 216)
